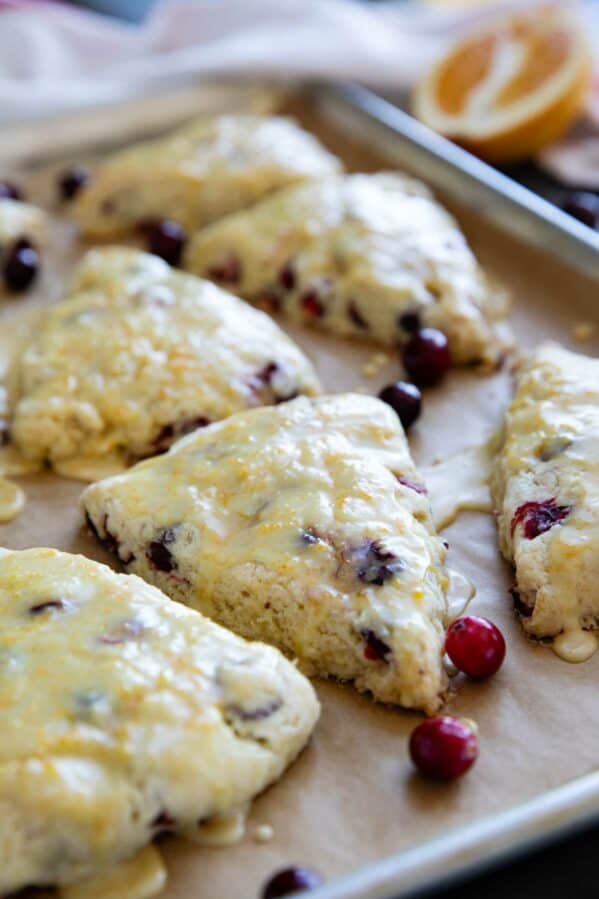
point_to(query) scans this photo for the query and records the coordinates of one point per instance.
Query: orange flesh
(472, 63)
(546, 55)
(461, 71)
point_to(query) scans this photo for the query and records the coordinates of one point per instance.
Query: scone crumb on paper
(583, 330)
(374, 364)
(264, 833)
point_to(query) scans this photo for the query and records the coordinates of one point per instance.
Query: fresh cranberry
(226, 272)
(355, 316)
(375, 649)
(426, 357)
(163, 821)
(171, 432)
(538, 517)
(373, 564)
(9, 191)
(311, 304)
(166, 239)
(21, 265)
(405, 399)
(475, 646)
(584, 206)
(291, 880)
(71, 181)
(443, 748)
(287, 277)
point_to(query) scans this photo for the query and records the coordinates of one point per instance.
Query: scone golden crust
(207, 169)
(20, 221)
(369, 256)
(546, 490)
(304, 525)
(139, 354)
(123, 715)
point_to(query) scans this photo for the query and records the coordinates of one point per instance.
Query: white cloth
(54, 57)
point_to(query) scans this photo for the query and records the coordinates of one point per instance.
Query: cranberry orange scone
(370, 256)
(124, 714)
(206, 169)
(23, 231)
(139, 354)
(546, 490)
(304, 525)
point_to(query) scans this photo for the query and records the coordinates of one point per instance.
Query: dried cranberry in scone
(546, 493)
(288, 524)
(366, 256)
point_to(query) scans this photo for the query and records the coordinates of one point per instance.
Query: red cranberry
(9, 191)
(443, 748)
(538, 517)
(426, 357)
(21, 265)
(54, 604)
(520, 606)
(410, 322)
(287, 277)
(373, 564)
(584, 206)
(226, 272)
(375, 649)
(71, 181)
(355, 316)
(405, 399)
(311, 304)
(475, 646)
(158, 552)
(291, 880)
(167, 239)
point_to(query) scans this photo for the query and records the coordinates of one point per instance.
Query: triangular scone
(124, 714)
(20, 221)
(546, 490)
(139, 354)
(204, 170)
(304, 525)
(369, 256)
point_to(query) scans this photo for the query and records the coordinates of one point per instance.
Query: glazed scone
(304, 525)
(124, 714)
(199, 173)
(546, 490)
(20, 221)
(369, 256)
(139, 354)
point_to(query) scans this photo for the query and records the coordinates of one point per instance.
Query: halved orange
(511, 88)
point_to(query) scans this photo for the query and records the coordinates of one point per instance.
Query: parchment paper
(352, 796)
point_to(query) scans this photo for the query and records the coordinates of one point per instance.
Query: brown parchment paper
(352, 796)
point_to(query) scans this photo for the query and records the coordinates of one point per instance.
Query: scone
(19, 222)
(139, 354)
(369, 256)
(124, 715)
(304, 525)
(546, 491)
(195, 175)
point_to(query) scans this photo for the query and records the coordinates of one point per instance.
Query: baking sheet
(352, 797)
